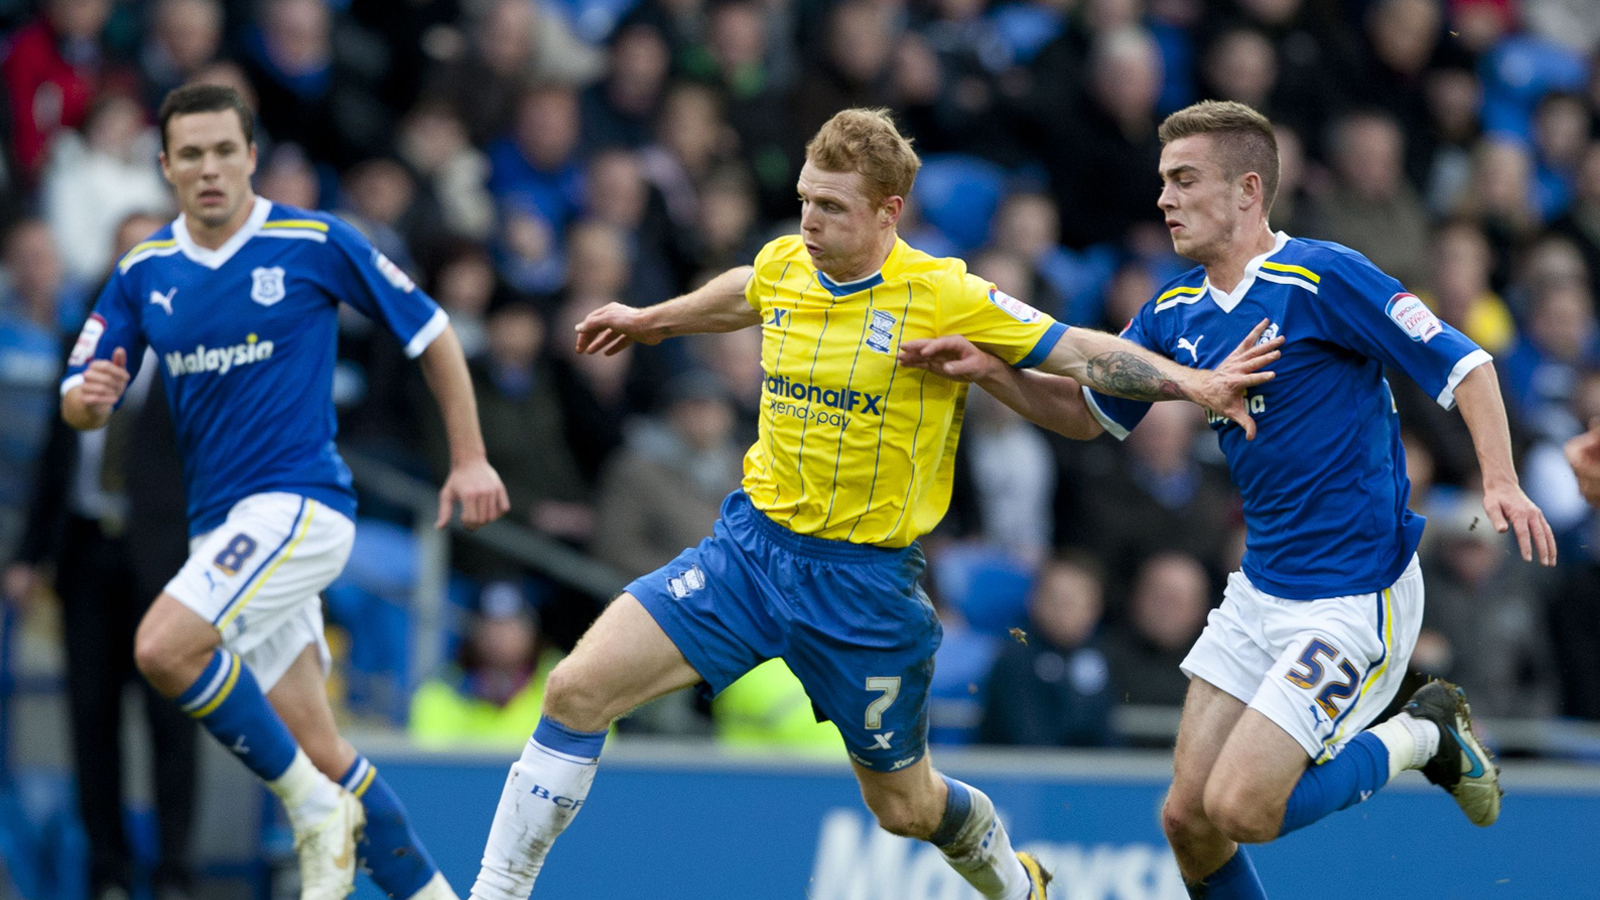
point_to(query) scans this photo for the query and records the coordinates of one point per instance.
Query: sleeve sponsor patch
(1414, 317)
(88, 341)
(392, 272)
(1018, 310)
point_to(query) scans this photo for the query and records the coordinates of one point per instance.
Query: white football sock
(1411, 742)
(307, 794)
(542, 793)
(981, 852)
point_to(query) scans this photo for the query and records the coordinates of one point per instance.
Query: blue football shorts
(849, 619)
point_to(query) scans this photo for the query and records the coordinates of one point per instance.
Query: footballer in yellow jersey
(853, 446)
(815, 559)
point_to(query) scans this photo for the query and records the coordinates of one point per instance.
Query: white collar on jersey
(1229, 300)
(213, 259)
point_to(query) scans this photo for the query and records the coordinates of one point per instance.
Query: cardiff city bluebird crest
(267, 288)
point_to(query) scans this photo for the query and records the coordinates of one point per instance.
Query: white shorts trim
(1322, 670)
(257, 578)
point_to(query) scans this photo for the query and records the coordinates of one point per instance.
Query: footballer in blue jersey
(239, 299)
(1315, 630)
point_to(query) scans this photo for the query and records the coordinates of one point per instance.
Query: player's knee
(156, 655)
(901, 815)
(1183, 820)
(575, 701)
(1239, 815)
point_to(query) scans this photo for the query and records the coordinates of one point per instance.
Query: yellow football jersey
(853, 446)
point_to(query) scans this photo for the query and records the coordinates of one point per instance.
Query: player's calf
(173, 646)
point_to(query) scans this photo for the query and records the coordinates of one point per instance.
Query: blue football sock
(1347, 779)
(390, 851)
(1235, 880)
(957, 807)
(228, 702)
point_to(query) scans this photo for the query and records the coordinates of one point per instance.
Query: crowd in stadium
(529, 162)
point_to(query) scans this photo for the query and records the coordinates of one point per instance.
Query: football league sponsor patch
(1018, 310)
(88, 341)
(391, 272)
(1413, 316)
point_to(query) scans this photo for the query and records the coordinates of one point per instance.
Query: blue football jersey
(1324, 482)
(245, 336)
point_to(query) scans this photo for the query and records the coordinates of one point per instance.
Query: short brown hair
(1245, 140)
(866, 142)
(201, 98)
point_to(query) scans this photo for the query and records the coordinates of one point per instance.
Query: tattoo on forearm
(1125, 375)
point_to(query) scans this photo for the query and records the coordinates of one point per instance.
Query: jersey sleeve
(991, 318)
(367, 280)
(114, 323)
(1363, 309)
(1119, 415)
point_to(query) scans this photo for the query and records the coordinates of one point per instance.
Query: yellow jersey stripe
(800, 455)
(311, 224)
(1179, 291)
(838, 450)
(916, 435)
(877, 456)
(777, 364)
(141, 252)
(1313, 277)
(223, 692)
(1375, 674)
(366, 782)
(311, 508)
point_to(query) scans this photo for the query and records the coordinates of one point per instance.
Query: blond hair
(866, 142)
(1244, 140)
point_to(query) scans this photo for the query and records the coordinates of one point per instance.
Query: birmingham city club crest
(267, 287)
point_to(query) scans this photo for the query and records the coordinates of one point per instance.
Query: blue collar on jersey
(849, 287)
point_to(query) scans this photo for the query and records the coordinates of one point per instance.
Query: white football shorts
(257, 577)
(1324, 669)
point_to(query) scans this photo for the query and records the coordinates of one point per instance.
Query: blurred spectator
(379, 195)
(453, 174)
(691, 136)
(854, 71)
(183, 37)
(620, 111)
(1152, 498)
(753, 101)
(1574, 622)
(1581, 223)
(1560, 136)
(1487, 609)
(30, 363)
(522, 431)
(734, 357)
(1029, 225)
(496, 686)
(662, 491)
(1242, 65)
(593, 388)
(462, 278)
(1288, 204)
(535, 169)
(1499, 194)
(1461, 293)
(95, 180)
(1541, 371)
(1166, 612)
(1370, 207)
(1102, 161)
(1051, 687)
(1454, 97)
(728, 214)
(616, 194)
(287, 177)
(316, 81)
(107, 518)
(52, 68)
(1402, 37)
(514, 47)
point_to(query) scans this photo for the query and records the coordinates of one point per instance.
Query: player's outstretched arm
(88, 406)
(1478, 396)
(1121, 368)
(472, 482)
(1054, 402)
(716, 306)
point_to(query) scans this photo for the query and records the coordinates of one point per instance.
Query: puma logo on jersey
(218, 359)
(1194, 348)
(163, 300)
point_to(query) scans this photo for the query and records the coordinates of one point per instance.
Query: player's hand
(1583, 454)
(611, 328)
(1223, 389)
(1510, 509)
(18, 584)
(951, 356)
(103, 383)
(476, 485)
